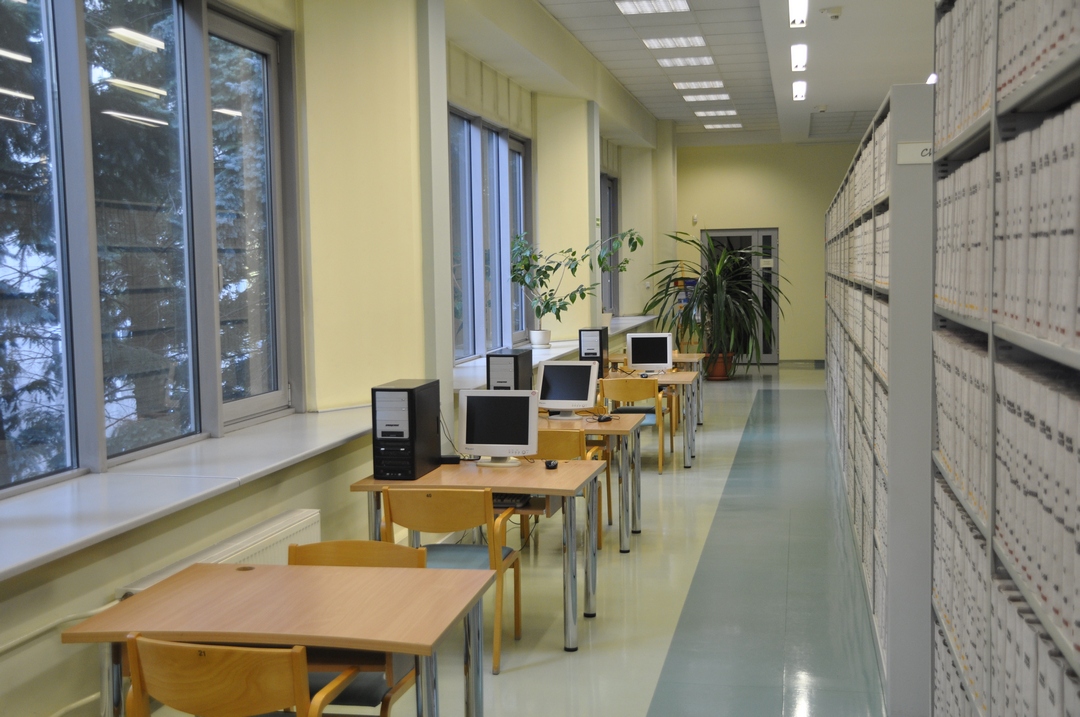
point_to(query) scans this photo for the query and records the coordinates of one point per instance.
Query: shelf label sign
(914, 152)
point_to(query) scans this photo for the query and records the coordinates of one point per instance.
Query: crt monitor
(497, 425)
(648, 352)
(567, 386)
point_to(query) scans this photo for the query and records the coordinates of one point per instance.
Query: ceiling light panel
(14, 56)
(136, 119)
(700, 85)
(798, 91)
(797, 11)
(137, 88)
(15, 93)
(650, 7)
(669, 43)
(798, 58)
(685, 61)
(715, 113)
(707, 98)
(729, 125)
(137, 39)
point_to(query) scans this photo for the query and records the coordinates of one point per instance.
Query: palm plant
(712, 304)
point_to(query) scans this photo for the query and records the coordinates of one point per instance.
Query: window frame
(77, 233)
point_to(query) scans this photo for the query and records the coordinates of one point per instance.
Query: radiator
(266, 543)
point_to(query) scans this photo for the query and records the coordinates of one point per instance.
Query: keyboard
(509, 500)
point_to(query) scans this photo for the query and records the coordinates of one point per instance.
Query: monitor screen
(648, 352)
(566, 386)
(497, 424)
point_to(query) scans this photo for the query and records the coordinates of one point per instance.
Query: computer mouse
(604, 418)
(551, 465)
(644, 375)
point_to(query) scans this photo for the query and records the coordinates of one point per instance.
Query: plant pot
(722, 368)
(540, 338)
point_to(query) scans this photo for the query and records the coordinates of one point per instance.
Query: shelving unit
(1007, 365)
(879, 314)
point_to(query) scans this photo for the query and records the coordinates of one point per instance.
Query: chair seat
(461, 557)
(368, 688)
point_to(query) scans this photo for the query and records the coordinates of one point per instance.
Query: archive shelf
(988, 247)
(954, 650)
(878, 245)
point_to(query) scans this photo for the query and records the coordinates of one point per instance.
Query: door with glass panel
(249, 245)
(766, 259)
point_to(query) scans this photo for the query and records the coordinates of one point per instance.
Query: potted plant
(541, 274)
(711, 303)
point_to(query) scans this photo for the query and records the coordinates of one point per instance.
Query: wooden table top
(619, 425)
(528, 478)
(383, 609)
(676, 378)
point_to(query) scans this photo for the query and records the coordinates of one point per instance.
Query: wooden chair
(630, 390)
(448, 510)
(560, 445)
(223, 681)
(384, 677)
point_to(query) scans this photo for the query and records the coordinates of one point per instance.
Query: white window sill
(42, 525)
(473, 374)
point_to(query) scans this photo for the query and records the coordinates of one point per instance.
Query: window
(488, 206)
(166, 337)
(609, 226)
(35, 387)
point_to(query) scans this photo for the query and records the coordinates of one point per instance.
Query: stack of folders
(881, 605)
(962, 405)
(881, 512)
(950, 688)
(1032, 33)
(881, 159)
(862, 268)
(881, 424)
(880, 311)
(964, 47)
(1030, 676)
(1036, 284)
(962, 203)
(863, 180)
(881, 249)
(1038, 471)
(960, 589)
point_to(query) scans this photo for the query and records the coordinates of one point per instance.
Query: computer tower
(509, 370)
(593, 346)
(405, 419)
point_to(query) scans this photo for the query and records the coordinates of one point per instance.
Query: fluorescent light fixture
(731, 125)
(137, 119)
(685, 61)
(668, 43)
(716, 113)
(798, 58)
(700, 85)
(707, 98)
(15, 56)
(12, 119)
(649, 7)
(932, 79)
(137, 88)
(797, 11)
(137, 39)
(798, 91)
(231, 113)
(15, 93)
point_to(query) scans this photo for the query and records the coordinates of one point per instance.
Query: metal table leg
(374, 515)
(688, 427)
(624, 494)
(592, 513)
(700, 383)
(569, 521)
(427, 689)
(635, 443)
(474, 661)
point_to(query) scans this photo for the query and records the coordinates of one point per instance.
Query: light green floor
(740, 597)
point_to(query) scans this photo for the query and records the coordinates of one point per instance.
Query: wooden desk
(381, 609)
(687, 382)
(626, 428)
(689, 358)
(570, 479)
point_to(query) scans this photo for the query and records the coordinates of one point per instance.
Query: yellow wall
(636, 211)
(784, 186)
(359, 141)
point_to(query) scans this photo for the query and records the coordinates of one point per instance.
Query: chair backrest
(216, 680)
(440, 510)
(358, 554)
(560, 445)
(628, 390)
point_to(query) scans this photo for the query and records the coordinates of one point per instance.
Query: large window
(173, 315)
(488, 204)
